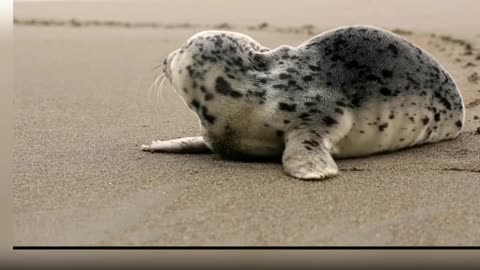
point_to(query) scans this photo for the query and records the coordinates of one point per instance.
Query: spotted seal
(348, 92)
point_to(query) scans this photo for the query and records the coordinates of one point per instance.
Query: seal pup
(348, 92)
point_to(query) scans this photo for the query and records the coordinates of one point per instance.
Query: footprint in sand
(472, 104)
(474, 78)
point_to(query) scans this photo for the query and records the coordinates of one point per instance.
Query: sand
(82, 111)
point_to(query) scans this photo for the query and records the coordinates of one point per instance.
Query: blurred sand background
(81, 112)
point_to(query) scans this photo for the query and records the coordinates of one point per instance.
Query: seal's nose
(166, 69)
(164, 65)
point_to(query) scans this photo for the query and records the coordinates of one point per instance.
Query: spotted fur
(351, 91)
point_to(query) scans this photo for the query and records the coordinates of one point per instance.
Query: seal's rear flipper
(307, 156)
(183, 145)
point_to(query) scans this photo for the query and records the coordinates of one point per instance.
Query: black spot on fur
(425, 120)
(304, 115)
(195, 103)
(314, 68)
(385, 91)
(383, 126)
(443, 100)
(285, 76)
(393, 49)
(352, 64)
(387, 73)
(341, 103)
(458, 123)
(287, 107)
(314, 133)
(437, 117)
(209, 96)
(292, 70)
(373, 78)
(292, 83)
(209, 58)
(218, 41)
(329, 121)
(307, 78)
(209, 118)
(312, 143)
(280, 133)
(223, 87)
(337, 57)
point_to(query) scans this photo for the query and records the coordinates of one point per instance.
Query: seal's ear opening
(260, 61)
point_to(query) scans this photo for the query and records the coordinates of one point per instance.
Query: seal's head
(214, 70)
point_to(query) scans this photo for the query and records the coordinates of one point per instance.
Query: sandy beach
(82, 110)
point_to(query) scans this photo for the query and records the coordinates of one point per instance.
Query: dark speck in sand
(402, 32)
(474, 77)
(470, 64)
(473, 103)
(353, 169)
(223, 26)
(263, 25)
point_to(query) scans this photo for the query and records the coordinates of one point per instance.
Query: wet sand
(82, 111)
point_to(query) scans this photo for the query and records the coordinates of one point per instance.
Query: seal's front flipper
(183, 145)
(307, 156)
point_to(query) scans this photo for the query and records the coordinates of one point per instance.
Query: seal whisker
(157, 78)
(160, 89)
(157, 66)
